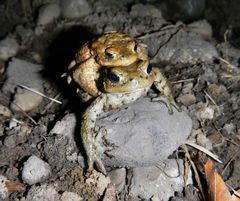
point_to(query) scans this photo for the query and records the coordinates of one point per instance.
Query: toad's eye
(149, 68)
(109, 56)
(135, 47)
(113, 77)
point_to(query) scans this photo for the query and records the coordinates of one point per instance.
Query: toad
(109, 50)
(119, 87)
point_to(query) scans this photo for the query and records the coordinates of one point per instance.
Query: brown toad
(109, 50)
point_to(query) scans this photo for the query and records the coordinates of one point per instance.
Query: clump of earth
(42, 157)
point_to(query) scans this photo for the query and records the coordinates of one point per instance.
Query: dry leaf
(217, 190)
(15, 186)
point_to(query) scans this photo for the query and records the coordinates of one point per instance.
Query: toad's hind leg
(88, 135)
(165, 94)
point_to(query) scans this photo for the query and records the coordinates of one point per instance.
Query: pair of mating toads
(113, 71)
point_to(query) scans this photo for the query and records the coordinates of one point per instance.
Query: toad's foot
(94, 159)
(169, 103)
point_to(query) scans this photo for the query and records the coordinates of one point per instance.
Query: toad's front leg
(88, 135)
(165, 93)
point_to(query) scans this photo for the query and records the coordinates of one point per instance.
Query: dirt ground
(206, 85)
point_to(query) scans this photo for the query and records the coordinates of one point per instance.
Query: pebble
(201, 27)
(10, 141)
(187, 99)
(184, 47)
(24, 73)
(70, 196)
(147, 181)
(42, 193)
(144, 10)
(75, 8)
(228, 129)
(26, 100)
(205, 113)
(8, 48)
(48, 13)
(35, 170)
(144, 127)
(118, 178)
(65, 127)
(4, 111)
(3, 189)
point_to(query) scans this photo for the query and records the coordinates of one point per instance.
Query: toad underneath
(118, 86)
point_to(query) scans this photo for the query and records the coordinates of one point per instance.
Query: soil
(214, 85)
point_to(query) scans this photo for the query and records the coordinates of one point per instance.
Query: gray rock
(10, 141)
(187, 99)
(8, 48)
(229, 129)
(24, 73)
(42, 193)
(3, 189)
(4, 111)
(27, 74)
(180, 47)
(66, 126)
(26, 100)
(160, 182)
(141, 10)
(70, 196)
(118, 178)
(75, 8)
(35, 170)
(141, 135)
(48, 13)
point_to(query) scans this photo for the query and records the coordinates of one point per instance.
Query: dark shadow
(60, 53)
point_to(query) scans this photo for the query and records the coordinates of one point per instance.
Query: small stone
(228, 129)
(147, 181)
(24, 73)
(205, 113)
(10, 141)
(187, 99)
(47, 13)
(42, 193)
(26, 100)
(65, 127)
(118, 178)
(3, 189)
(70, 196)
(75, 8)
(8, 48)
(201, 27)
(187, 88)
(35, 170)
(98, 181)
(140, 10)
(4, 111)
(202, 140)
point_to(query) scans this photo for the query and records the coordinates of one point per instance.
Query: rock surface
(75, 8)
(48, 13)
(8, 48)
(141, 135)
(148, 180)
(35, 170)
(24, 73)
